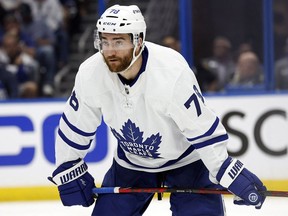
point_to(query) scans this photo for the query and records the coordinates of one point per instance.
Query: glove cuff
(232, 171)
(71, 174)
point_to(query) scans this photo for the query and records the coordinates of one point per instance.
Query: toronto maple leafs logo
(132, 141)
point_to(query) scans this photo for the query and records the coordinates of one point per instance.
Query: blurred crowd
(226, 70)
(238, 69)
(35, 39)
(34, 44)
(228, 48)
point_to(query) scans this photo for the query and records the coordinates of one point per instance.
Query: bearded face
(117, 63)
(117, 50)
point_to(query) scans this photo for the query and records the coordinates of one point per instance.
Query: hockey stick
(106, 190)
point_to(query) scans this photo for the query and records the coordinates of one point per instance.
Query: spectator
(243, 47)
(44, 40)
(8, 84)
(8, 7)
(248, 71)
(20, 64)
(172, 42)
(12, 25)
(51, 11)
(48, 10)
(221, 64)
(281, 70)
(74, 10)
(280, 12)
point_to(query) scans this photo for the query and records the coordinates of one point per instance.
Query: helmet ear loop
(136, 43)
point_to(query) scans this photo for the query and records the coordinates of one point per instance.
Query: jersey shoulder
(165, 57)
(91, 77)
(166, 62)
(167, 68)
(91, 65)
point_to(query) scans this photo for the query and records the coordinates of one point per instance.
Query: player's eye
(104, 43)
(119, 44)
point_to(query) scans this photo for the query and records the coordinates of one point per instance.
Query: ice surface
(272, 207)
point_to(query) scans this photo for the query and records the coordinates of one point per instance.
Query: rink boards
(257, 127)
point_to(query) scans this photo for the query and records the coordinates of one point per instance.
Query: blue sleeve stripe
(208, 133)
(75, 129)
(211, 141)
(73, 144)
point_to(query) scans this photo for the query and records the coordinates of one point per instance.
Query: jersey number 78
(194, 98)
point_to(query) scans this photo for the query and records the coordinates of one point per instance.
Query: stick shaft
(105, 190)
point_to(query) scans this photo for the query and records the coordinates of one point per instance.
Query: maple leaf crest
(131, 141)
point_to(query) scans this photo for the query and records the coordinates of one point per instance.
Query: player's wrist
(229, 171)
(69, 171)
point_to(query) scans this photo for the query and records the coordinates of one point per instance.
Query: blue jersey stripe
(73, 144)
(75, 129)
(208, 133)
(211, 141)
(121, 153)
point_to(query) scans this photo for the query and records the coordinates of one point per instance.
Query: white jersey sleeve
(198, 123)
(78, 124)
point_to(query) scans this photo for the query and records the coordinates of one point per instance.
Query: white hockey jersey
(160, 120)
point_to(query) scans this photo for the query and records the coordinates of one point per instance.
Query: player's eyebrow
(115, 38)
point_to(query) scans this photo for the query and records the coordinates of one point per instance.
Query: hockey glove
(241, 182)
(74, 183)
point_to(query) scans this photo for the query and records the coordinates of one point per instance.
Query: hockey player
(149, 98)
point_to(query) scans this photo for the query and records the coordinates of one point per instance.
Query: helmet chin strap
(134, 59)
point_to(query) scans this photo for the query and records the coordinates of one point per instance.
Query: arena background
(256, 119)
